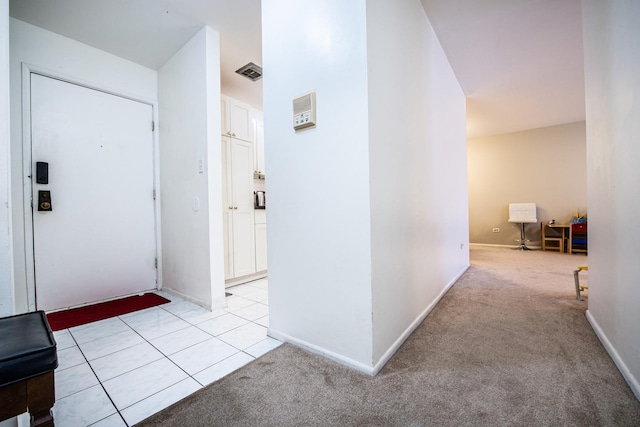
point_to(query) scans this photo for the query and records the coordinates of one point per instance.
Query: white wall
(318, 216)
(80, 62)
(418, 171)
(612, 61)
(547, 166)
(6, 299)
(189, 97)
(368, 211)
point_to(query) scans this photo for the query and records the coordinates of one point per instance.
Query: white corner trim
(622, 367)
(412, 327)
(343, 360)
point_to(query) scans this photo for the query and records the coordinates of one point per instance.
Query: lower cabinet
(238, 208)
(261, 240)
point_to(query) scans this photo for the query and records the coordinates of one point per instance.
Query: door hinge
(153, 126)
(156, 263)
(154, 194)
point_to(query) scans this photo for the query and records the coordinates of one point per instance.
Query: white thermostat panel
(304, 111)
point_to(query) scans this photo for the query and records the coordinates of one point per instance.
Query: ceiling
(519, 62)
(150, 32)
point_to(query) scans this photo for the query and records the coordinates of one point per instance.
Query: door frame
(27, 165)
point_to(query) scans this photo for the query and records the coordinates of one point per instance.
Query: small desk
(566, 236)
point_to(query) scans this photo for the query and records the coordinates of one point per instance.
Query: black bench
(27, 360)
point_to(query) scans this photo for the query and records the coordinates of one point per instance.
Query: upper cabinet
(241, 121)
(237, 119)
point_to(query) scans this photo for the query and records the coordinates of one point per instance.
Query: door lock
(44, 200)
(42, 172)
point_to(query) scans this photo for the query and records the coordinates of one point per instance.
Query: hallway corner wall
(612, 61)
(418, 171)
(318, 215)
(189, 99)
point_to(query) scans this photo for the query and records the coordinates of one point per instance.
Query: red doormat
(104, 310)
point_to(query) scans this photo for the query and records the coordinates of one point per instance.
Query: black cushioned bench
(27, 360)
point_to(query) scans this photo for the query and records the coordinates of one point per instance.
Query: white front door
(98, 240)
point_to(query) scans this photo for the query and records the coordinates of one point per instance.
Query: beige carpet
(508, 345)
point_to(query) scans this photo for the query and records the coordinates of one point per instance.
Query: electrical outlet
(496, 230)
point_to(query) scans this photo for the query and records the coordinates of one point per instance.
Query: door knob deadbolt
(44, 200)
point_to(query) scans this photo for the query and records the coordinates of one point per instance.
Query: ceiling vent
(251, 71)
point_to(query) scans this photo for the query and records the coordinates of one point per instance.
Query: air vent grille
(251, 71)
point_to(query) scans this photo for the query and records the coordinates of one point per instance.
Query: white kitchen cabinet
(259, 148)
(261, 240)
(236, 119)
(238, 208)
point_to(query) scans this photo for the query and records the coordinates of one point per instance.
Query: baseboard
(504, 246)
(412, 327)
(343, 360)
(358, 366)
(24, 420)
(211, 307)
(245, 279)
(622, 367)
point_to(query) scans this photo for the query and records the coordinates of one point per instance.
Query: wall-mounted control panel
(304, 111)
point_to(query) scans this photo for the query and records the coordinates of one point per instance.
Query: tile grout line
(170, 360)
(216, 336)
(178, 366)
(166, 356)
(99, 382)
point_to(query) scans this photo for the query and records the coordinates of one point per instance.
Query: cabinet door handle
(230, 207)
(235, 207)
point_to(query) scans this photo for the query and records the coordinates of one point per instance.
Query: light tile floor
(119, 371)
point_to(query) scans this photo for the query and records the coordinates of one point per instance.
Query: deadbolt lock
(44, 200)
